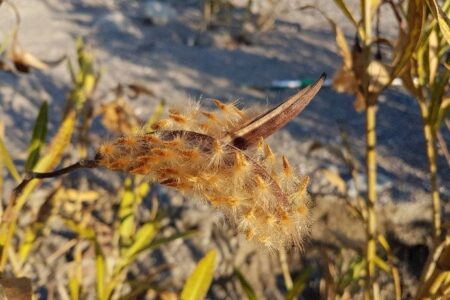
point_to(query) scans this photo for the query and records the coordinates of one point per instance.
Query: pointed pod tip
(323, 75)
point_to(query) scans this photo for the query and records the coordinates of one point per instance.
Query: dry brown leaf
(16, 288)
(119, 117)
(360, 102)
(379, 75)
(23, 60)
(344, 81)
(137, 89)
(335, 180)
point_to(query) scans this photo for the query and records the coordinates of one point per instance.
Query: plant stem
(285, 269)
(371, 194)
(430, 148)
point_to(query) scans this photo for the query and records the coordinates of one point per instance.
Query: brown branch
(82, 164)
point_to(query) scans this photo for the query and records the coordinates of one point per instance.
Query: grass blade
(159, 242)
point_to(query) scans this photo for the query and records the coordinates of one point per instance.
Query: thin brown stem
(82, 164)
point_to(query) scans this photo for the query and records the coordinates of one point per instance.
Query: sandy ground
(161, 57)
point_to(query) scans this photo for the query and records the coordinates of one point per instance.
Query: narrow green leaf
(159, 242)
(127, 226)
(299, 283)
(248, 289)
(38, 138)
(144, 237)
(8, 161)
(199, 281)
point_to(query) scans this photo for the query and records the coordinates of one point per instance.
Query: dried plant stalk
(208, 154)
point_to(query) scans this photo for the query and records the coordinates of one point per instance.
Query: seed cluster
(260, 193)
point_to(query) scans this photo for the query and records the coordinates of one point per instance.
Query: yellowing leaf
(127, 226)
(4, 156)
(100, 269)
(144, 237)
(409, 41)
(379, 75)
(48, 162)
(343, 6)
(433, 56)
(442, 18)
(199, 281)
(335, 180)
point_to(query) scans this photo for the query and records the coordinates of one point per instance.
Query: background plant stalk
(430, 148)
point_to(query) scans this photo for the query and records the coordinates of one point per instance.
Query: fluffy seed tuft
(267, 202)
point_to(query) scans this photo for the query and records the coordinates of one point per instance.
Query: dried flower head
(209, 154)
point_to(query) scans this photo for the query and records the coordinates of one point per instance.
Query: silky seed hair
(258, 191)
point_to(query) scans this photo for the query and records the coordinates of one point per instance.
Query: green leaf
(144, 237)
(442, 18)
(38, 138)
(248, 289)
(199, 281)
(127, 226)
(8, 161)
(299, 283)
(159, 242)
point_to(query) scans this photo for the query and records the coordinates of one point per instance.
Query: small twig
(36, 175)
(82, 164)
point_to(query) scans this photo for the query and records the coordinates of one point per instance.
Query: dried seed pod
(207, 154)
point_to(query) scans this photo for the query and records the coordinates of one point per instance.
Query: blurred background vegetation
(75, 74)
